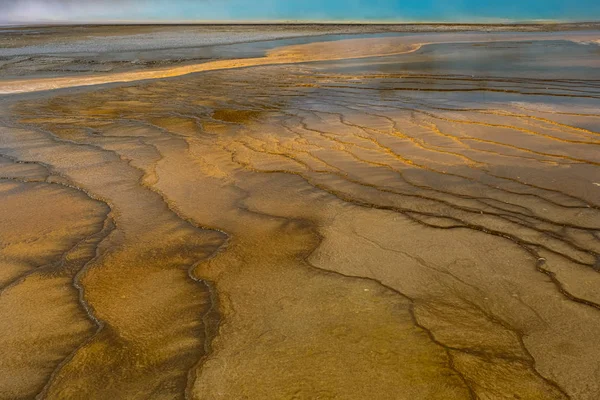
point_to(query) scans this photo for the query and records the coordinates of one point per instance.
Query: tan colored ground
(299, 231)
(311, 52)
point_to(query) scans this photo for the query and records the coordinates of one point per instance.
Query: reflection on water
(420, 226)
(540, 59)
(313, 50)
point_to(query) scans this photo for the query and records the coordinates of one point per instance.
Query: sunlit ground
(375, 217)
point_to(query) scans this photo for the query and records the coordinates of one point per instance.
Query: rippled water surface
(371, 217)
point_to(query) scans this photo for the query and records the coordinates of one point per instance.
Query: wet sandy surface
(342, 49)
(365, 218)
(66, 50)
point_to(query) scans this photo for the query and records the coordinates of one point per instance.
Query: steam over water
(369, 218)
(77, 11)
